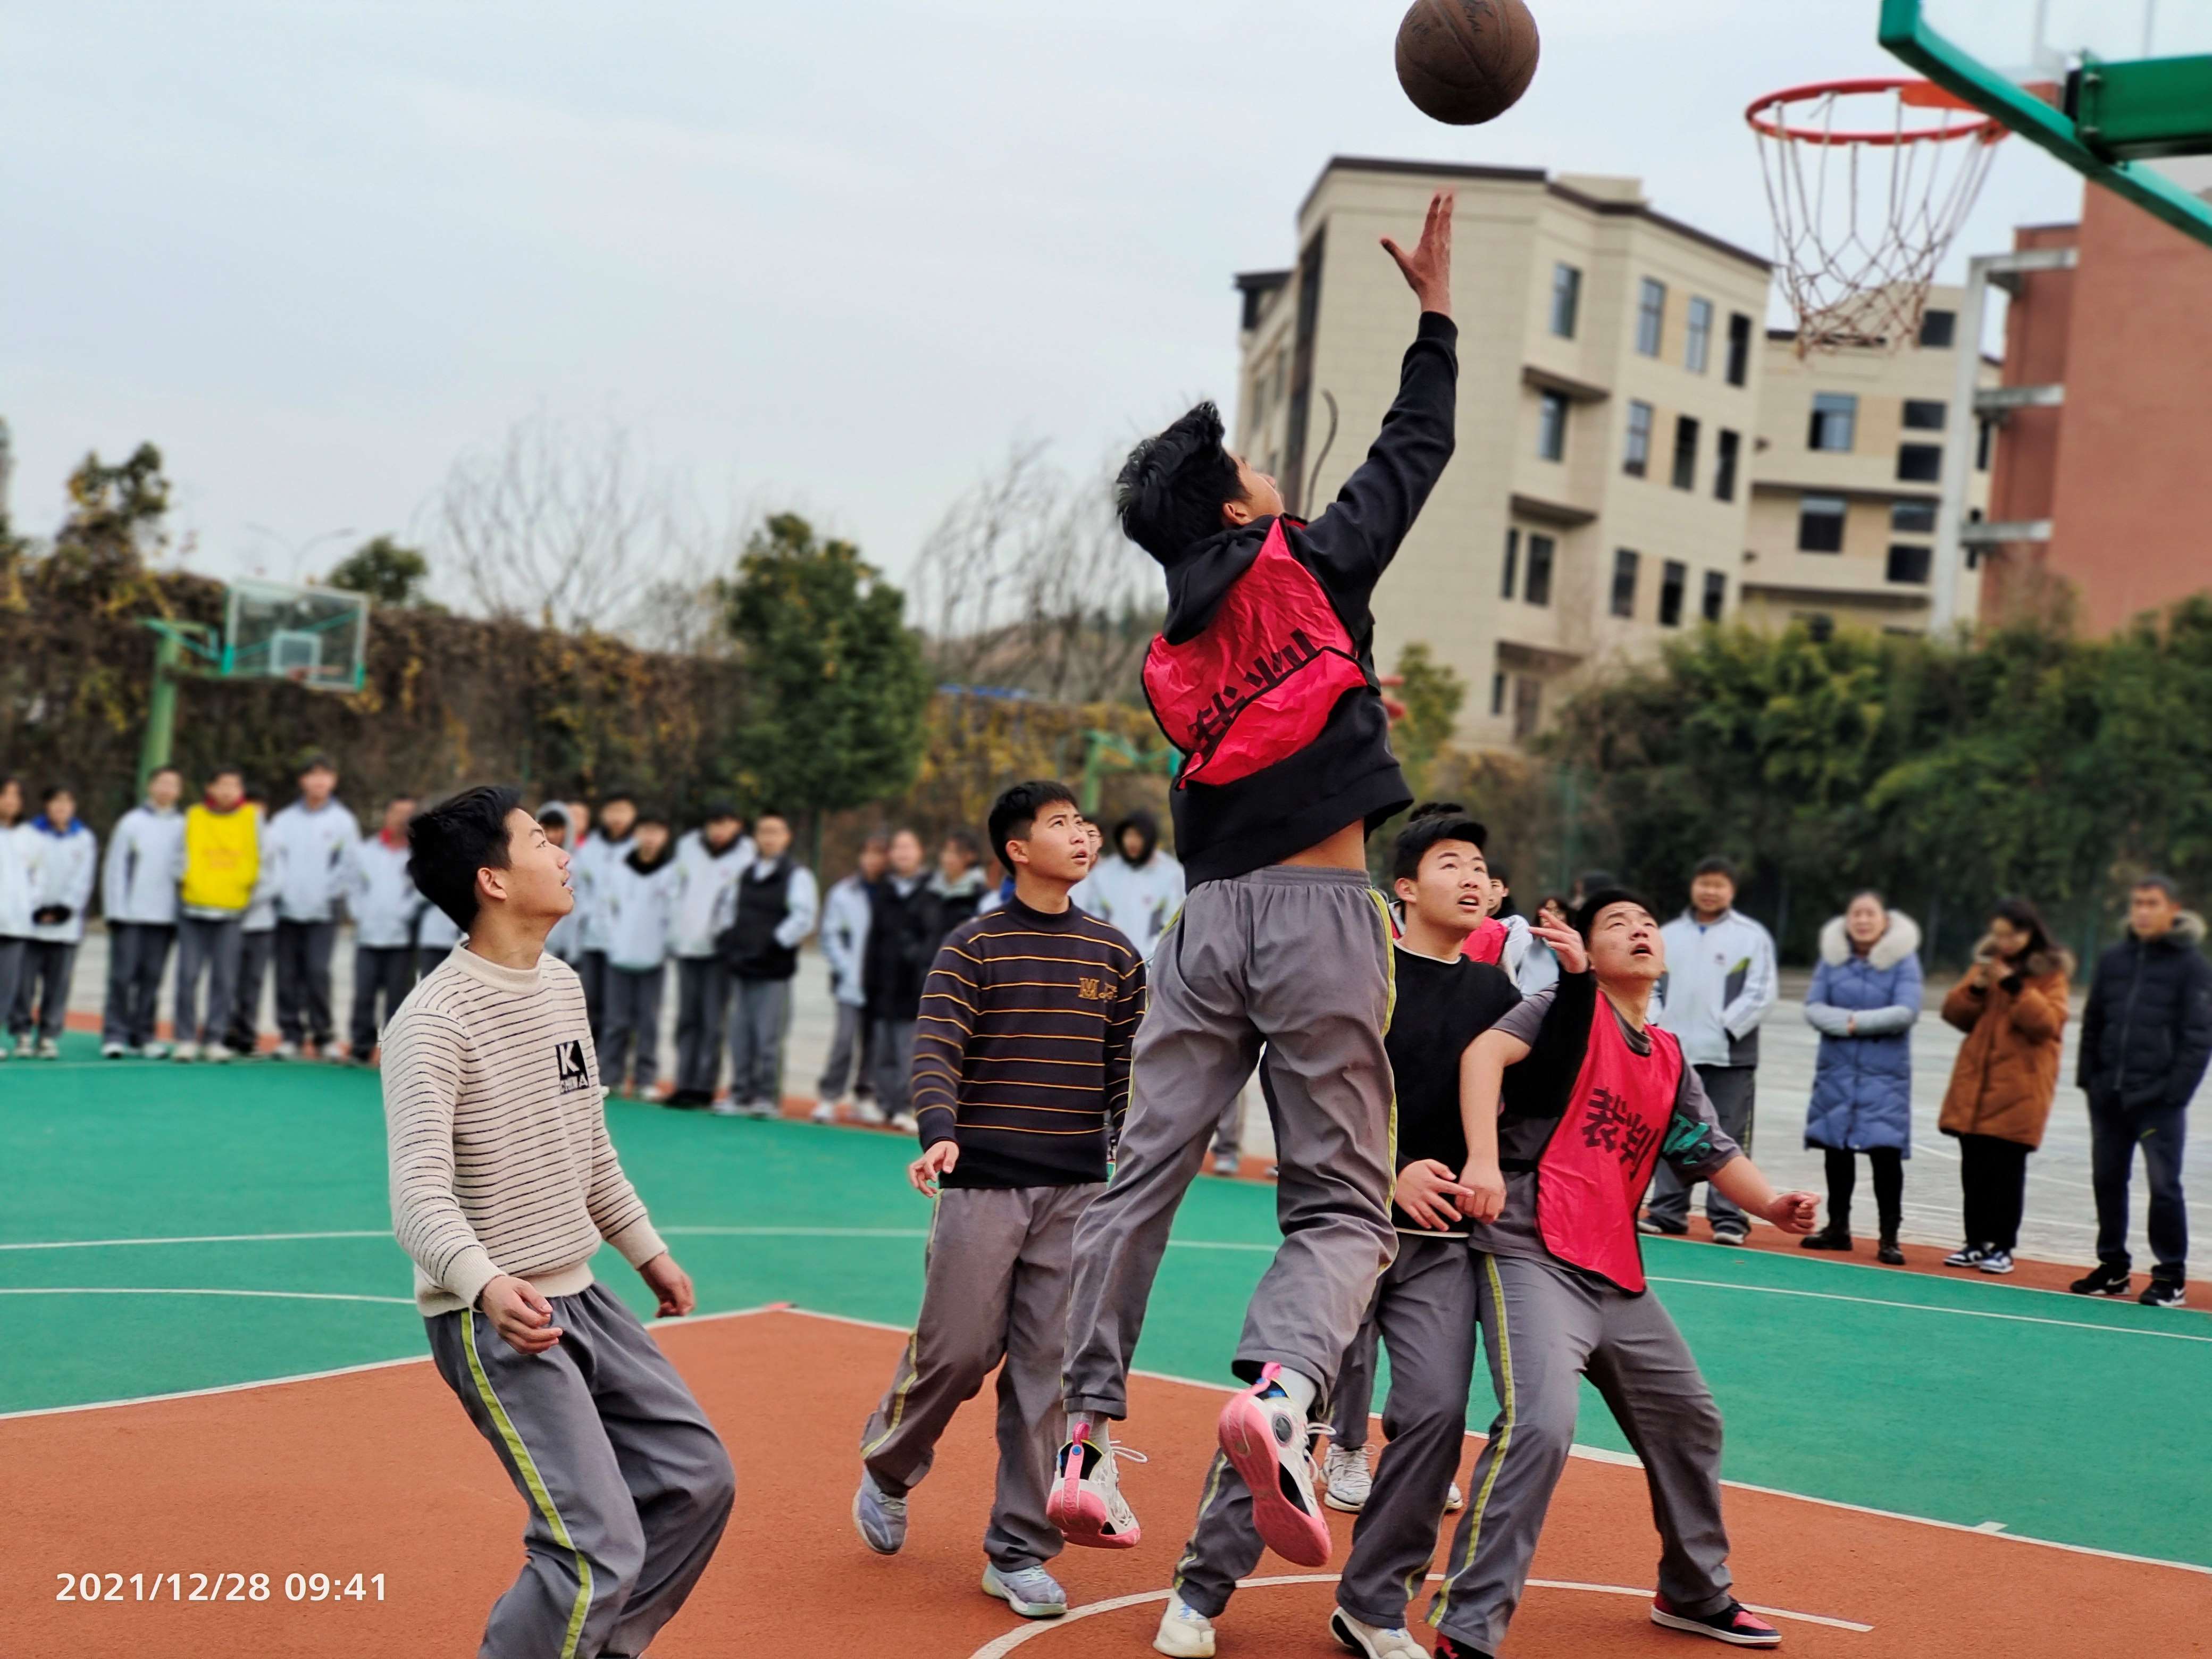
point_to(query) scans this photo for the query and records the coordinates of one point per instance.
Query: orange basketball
(1463, 62)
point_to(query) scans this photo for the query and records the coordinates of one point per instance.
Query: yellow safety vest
(222, 857)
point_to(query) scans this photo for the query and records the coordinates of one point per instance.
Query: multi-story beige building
(1599, 498)
(1850, 468)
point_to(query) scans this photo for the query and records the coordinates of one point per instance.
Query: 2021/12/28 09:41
(218, 1587)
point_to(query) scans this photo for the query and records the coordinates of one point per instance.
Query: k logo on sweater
(575, 1070)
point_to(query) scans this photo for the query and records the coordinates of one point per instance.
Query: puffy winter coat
(2007, 1073)
(2146, 1030)
(1864, 1007)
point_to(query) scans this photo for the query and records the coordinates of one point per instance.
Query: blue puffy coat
(1862, 1083)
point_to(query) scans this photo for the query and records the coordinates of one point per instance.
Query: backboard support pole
(156, 749)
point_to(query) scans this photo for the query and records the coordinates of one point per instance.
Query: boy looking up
(1021, 1073)
(503, 1186)
(1282, 941)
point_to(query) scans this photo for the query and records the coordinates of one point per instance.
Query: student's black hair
(2023, 915)
(45, 798)
(965, 840)
(176, 772)
(1431, 823)
(652, 813)
(1171, 488)
(449, 842)
(1506, 907)
(398, 795)
(317, 762)
(722, 809)
(1604, 898)
(2165, 884)
(1014, 813)
(226, 769)
(777, 814)
(1714, 865)
(614, 795)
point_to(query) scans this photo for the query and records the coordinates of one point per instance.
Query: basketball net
(1866, 207)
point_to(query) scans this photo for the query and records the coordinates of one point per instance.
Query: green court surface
(130, 1190)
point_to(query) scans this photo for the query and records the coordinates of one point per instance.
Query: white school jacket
(845, 916)
(637, 906)
(383, 897)
(20, 860)
(1139, 899)
(436, 932)
(145, 859)
(591, 873)
(315, 855)
(704, 879)
(67, 862)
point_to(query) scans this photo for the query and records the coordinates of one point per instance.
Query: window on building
(1673, 583)
(1650, 315)
(1686, 452)
(1925, 414)
(1698, 349)
(1566, 299)
(1497, 692)
(1835, 421)
(1919, 463)
(1716, 595)
(1624, 564)
(1551, 426)
(1984, 440)
(1512, 563)
(1912, 518)
(1938, 328)
(1738, 348)
(1908, 563)
(1636, 458)
(1528, 706)
(1819, 524)
(1727, 443)
(1537, 588)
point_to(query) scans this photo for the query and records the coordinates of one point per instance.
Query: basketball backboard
(2120, 90)
(316, 637)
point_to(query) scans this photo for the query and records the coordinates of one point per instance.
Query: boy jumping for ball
(1425, 1304)
(1265, 679)
(504, 1184)
(1021, 1074)
(1572, 1101)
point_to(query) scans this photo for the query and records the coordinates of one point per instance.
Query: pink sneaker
(1735, 1624)
(1086, 1502)
(1264, 1441)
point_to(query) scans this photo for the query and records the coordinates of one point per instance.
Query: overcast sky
(834, 257)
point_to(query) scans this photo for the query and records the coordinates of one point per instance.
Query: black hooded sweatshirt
(1347, 774)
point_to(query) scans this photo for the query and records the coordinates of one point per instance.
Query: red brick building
(2122, 468)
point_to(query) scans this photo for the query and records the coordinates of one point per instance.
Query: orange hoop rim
(1915, 93)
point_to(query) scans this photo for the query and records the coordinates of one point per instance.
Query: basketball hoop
(1857, 251)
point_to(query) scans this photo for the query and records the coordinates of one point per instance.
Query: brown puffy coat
(2007, 1071)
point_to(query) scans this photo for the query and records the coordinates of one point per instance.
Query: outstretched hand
(927, 1172)
(1566, 944)
(1427, 269)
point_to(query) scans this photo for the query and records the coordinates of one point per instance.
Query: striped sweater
(1022, 1050)
(497, 1140)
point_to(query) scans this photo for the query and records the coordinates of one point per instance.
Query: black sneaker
(1889, 1255)
(2103, 1279)
(1967, 1255)
(1828, 1238)
(1735, 1624)
(1995, 1261)
(2164, 1293)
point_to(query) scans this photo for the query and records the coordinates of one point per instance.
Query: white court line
(199, 1238)
(335, 1370)
(1928, 1307)
(1031, 1631)
(133, 1290)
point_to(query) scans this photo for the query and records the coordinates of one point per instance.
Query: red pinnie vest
(1603, 1149)
(1486, 942)
(1257, 683)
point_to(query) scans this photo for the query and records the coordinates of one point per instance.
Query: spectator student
(1864, 998)
(69, 863)
(708, 862)
(2145, 1037)
(19, 866)
(145, 856)
(2012, 1005)
(221, 868)
(312, 841)
(844, 948)
(772, 907)
(900, 942)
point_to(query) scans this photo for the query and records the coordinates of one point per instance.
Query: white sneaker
(1373, 1640)
(113, 1051)
(825, 1111)
(1349, 1478)
(6, 1048)
(1086, 1502)
(219, 1054)
(726, 1109)
(903, 1122)
(185, 1051)
(49, 1049)
(1184, 1633)
(867, 1112)
(1455, 1499)
(1263, 1435)
(1227, 1163)
(764, 1110)
(155, 1051)
(1032, 1592)
(288, 1051)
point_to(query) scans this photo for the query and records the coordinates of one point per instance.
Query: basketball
(1464, 62)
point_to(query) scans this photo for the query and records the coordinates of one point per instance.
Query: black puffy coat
(2147, 1032)
(903, 937)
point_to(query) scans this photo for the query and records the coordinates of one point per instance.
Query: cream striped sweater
(498, 1142)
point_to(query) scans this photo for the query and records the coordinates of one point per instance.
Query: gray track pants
(1299, 958)
(627, 1486)
(760, 1009)
(212, 948)
(1350, 1413)
(996, 1288)
(849, 1063)
(42, 990)
(633, 1016)
(388, 970)
(255, 950)
(702, 1001)
(303, 982)
(1424, 1306)
(1545, 1326)
(890, 1047)
(1733, 1091)
(137, 952)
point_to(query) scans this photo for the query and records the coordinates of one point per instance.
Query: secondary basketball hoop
(1869, 180)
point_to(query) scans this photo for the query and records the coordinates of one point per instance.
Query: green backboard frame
(2134, 110)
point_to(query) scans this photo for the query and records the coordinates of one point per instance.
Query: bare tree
(1027, 581)
(564, 525)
